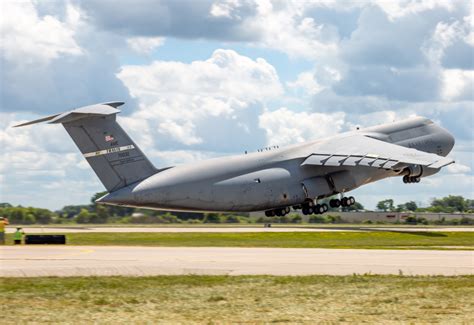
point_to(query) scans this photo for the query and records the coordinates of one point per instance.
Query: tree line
(93, 213)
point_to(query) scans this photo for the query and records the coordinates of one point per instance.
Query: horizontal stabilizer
(79, 113)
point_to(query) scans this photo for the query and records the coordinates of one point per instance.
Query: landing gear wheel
(325, 207)
(351, 200)
(268, 213)
(344, 202)
(405, 179)
(335, 203)
(287, 210)
(317, 208)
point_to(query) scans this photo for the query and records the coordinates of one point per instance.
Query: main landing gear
(309, 207)
(345, 202)
(280, 212)
(411, 179)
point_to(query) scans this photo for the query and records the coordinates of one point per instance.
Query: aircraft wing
(360, 150)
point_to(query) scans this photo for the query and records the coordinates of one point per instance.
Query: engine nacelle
(419, 171)
(413, 171)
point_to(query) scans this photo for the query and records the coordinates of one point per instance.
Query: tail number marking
(107, 151)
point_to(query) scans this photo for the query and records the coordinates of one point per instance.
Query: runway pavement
(315, 228)
(27, 261)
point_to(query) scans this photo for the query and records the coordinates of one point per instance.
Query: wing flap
(359, 150)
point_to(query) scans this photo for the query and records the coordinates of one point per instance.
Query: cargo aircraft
(273, 180)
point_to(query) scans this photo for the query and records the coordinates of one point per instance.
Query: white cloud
(284, 27)
(458, 168)
(458, 84)
(178, 99)
(399, 8)
(28, 38)
(284, 126)
(224, 74)
(36, 158)
(145, 45)
(307, 82)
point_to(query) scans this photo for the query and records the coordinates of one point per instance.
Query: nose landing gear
(411, 179)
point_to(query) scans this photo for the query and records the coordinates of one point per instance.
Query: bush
(316, 219)
(296, 219)
(232, 219)
(414, 220)
(334, 219)
(466, 221)
(212, 218)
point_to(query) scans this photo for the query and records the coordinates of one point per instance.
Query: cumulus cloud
(306, 82)
(29, 167)
(364, 63)
(458, 84)
(213, 102)
(32, 39)
(284, 126)
(186, 19)
(145, 45)
(52, 63)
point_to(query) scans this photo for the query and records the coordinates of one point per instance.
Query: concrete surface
(315, 228)
(24, 261)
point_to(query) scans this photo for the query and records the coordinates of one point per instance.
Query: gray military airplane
(271, 180)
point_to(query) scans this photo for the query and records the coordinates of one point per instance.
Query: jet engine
(413, 173)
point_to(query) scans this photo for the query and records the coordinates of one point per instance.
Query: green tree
(212, 218)
(385, 205)
(83, 216)
(411, 205)
(450, 203)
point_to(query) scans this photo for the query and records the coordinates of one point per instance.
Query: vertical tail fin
(113, 156)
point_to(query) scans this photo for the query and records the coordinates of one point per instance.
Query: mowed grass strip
(369, 239)
(241, 299)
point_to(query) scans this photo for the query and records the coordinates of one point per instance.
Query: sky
(203, 79)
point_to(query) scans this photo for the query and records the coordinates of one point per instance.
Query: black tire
(267, 214)
(317, 209)
(305, 211)
(287, 210)
(352, 200)
(332, 203)
(325, 207)
(344, 202)
(405, 179)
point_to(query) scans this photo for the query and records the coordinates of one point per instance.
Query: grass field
(370, 239)
(243, 299)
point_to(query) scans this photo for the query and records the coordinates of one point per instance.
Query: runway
(315, 228)
(30, 261)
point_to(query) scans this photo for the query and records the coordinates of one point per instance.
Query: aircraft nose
(447, 142)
